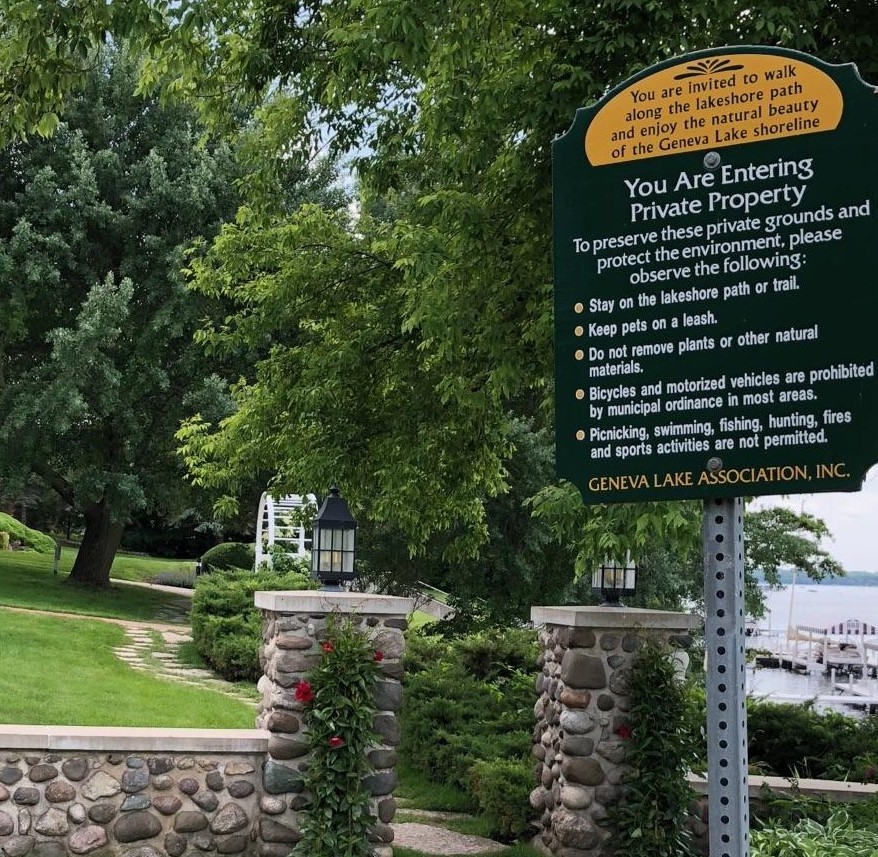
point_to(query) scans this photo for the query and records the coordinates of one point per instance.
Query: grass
(26, 580)
(144, 568)
(62, 671)
(419, 792)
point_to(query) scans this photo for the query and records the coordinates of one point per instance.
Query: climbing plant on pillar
(650, 819)
(339, 698)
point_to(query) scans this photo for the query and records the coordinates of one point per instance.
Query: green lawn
(62, 671)
(26, 580)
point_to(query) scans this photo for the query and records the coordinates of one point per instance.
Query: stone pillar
(581, 715)
(294, 624)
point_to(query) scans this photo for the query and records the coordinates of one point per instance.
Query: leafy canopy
(401, 345)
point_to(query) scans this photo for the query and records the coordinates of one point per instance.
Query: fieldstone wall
(294, 625)
(142, 804)
(582, 717)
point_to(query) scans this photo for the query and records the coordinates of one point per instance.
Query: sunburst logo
(707, 67)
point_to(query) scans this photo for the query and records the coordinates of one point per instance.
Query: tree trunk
(100, 541)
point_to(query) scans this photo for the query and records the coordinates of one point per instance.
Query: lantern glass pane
(629, 577)
(349, 539)
(348, 562)
(325, 538)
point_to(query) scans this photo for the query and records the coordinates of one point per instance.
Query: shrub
(284, 561)
(797, 741)
(467, 718)
(33, 539)
(502, 787)
(782, 809)
(229, 555)
(226, 624)
(487, 655)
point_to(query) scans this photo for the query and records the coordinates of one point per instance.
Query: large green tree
(96, 354)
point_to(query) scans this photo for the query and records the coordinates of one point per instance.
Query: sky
(852, 519)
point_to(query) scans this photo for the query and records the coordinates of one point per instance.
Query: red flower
(624, 731)
(378, 656)
(327, 647)
(304, 692)
(336, 741)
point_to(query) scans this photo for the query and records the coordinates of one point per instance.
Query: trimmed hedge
(227, 626)
(229, 555)
(33, 539)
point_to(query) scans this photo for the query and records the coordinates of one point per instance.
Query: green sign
(716, 292)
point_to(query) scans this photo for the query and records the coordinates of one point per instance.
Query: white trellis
(280, 521)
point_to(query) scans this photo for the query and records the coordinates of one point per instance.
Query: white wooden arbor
(281, 521)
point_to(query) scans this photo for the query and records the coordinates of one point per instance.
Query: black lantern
(612, 580)
(332, 543)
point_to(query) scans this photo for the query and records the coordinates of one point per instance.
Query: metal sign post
(727, 780)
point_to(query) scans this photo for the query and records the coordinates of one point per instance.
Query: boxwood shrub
(229, 555)
(227, 626)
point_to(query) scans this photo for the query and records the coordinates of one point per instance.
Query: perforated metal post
(728, 797)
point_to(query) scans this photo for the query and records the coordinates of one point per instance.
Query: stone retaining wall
(138, 792)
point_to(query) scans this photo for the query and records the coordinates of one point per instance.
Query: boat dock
(842, 653)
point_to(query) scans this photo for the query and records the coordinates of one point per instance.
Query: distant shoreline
(851, 578)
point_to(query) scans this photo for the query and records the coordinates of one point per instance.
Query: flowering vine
(338, 696)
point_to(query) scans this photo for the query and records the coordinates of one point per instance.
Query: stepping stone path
(154, 648)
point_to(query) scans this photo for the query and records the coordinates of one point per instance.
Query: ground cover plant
(27, 581)
(62, 671)
(838, 837)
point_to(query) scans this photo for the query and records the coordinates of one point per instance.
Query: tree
(779, 537)
(96, 354)
(775, 537)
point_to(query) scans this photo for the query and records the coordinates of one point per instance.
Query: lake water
(817, 605)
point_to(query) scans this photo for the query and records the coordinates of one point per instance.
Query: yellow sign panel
(720, 101)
